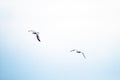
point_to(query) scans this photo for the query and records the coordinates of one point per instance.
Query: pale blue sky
(90, 26)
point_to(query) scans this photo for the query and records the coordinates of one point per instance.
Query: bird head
(37, 33)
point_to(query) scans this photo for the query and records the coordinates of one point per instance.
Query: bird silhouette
(78, 52)
(36, 33)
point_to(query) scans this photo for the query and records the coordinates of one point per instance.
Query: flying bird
(36, 33)
(78, 52)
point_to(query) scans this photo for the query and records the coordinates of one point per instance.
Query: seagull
(78, 52)
(36, 33)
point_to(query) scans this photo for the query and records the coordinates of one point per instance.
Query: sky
(91, 26)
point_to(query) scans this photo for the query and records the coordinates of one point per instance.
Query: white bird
(78, 52)
(36, 33)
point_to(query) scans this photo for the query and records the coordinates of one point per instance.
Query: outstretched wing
(83, 55)
(31, 31)
(72, 50)
(38, 38)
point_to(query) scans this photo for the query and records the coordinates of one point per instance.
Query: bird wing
(83, 55)
(31, 31)
(72, 50)
(38, 38)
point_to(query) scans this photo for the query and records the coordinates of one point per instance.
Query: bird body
(78, 52)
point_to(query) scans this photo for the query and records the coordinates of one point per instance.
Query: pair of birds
(38, 38)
